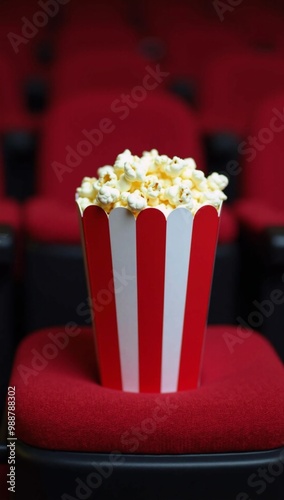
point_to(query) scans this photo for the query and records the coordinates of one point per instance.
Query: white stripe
(123, 249)
(178, 244)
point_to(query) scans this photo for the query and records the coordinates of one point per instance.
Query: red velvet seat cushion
(50, 221)
(257, 215)
(60, 404)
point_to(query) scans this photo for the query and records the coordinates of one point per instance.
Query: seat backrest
(94, 35)
(98, 69)
(259, 25)
(98, 11)
(263, 154)
(89, 131)
(190, 50)
(162, 18)
(234, 85)
(9, 89)
(20, 37)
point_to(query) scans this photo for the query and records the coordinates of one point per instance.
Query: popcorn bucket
(149, 281)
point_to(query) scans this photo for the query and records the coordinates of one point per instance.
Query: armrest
(273, 245)
(45, 52)
(3, 453)
(6, 246)
(221, 152)
(36, 94)
(19, 159)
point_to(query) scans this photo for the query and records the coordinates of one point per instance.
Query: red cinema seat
(20, 42)
(162, 18)
(76, 438)
(261, 209)
(260, 26)
(93, 34)
(98, 70)
(234, 85)
(191, 48)
(98, 11)
(88, 132)
(10, 92)
(156, 121)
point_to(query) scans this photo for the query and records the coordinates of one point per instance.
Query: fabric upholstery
(183, 61)
(89, 131)
(234, 85)
(98, 69)
(60, 404)
(263, 173)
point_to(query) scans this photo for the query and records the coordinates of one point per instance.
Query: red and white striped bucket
(149, 280)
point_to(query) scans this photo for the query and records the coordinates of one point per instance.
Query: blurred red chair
(22, 42)
(87, 132)
(98, 11)
(160, 19)
(11, 103)
(260, 26)
(18, 131)
(163, 17)
(115, 125)
(93, 34)
(234, 85)
(96, 69)
(261, 214)
(77, 439)
(190, 49)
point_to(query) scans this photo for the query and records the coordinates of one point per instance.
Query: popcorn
(87, 189)
(107, 195)
(121, 160)
(198, 178)
(174, 167)
(84, 203)
(123, 184)
(136, 201)
(152, 181)
(135, 171)
(152, 189)
(217, 181)
(107, 176)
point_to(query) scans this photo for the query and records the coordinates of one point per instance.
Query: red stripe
(202, 257)
(151, 250)
(99, 263)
